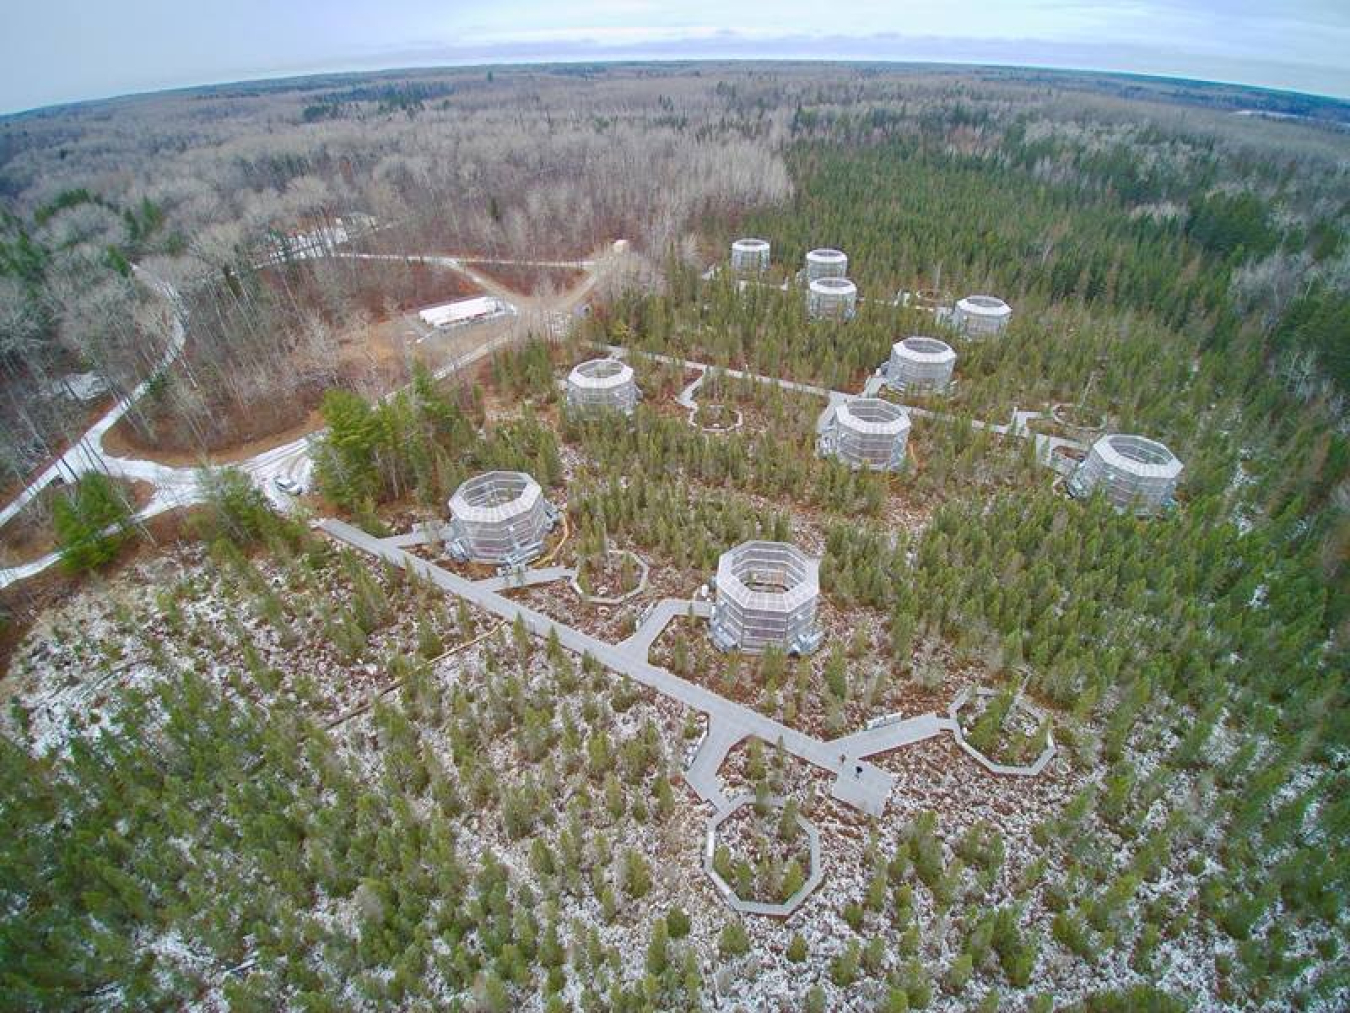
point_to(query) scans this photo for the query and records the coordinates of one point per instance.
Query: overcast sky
(65, 50)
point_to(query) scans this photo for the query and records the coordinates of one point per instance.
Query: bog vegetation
(329, 787)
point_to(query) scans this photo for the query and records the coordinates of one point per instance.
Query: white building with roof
(465, 311)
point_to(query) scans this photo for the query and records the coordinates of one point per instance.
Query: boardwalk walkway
(659, 618)
(858, 782)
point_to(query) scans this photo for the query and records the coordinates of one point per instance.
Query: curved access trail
(86, 453)
(177, 487)
(1045, 445)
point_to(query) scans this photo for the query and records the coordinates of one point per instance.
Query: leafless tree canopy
(529, 164)
(200, 186)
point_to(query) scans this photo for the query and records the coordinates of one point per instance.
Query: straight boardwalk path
(1045, 445)
(892, 735)
(180, 487)
(526, 578)
(858, 783)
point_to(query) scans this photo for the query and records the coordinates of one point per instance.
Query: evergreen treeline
(1163, 354)
(778, 463)
(418, 444)
(905, 211)
(302, 874)
(213, 836)
(91, 521)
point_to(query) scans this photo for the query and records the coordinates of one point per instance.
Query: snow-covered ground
(69, 671)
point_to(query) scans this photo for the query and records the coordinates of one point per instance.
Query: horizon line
(283, 76)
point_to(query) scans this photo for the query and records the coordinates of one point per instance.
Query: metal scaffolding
(766, 597)
(866, 432)
(602, 384)
(981, 315)
(750, 256)
(832, 299)
(826, 263)
(920, 365)
(1133, 472)
(499, 517)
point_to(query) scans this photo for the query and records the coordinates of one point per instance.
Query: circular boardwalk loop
(754, 907)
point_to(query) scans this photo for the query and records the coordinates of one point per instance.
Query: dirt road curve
(179, 487)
